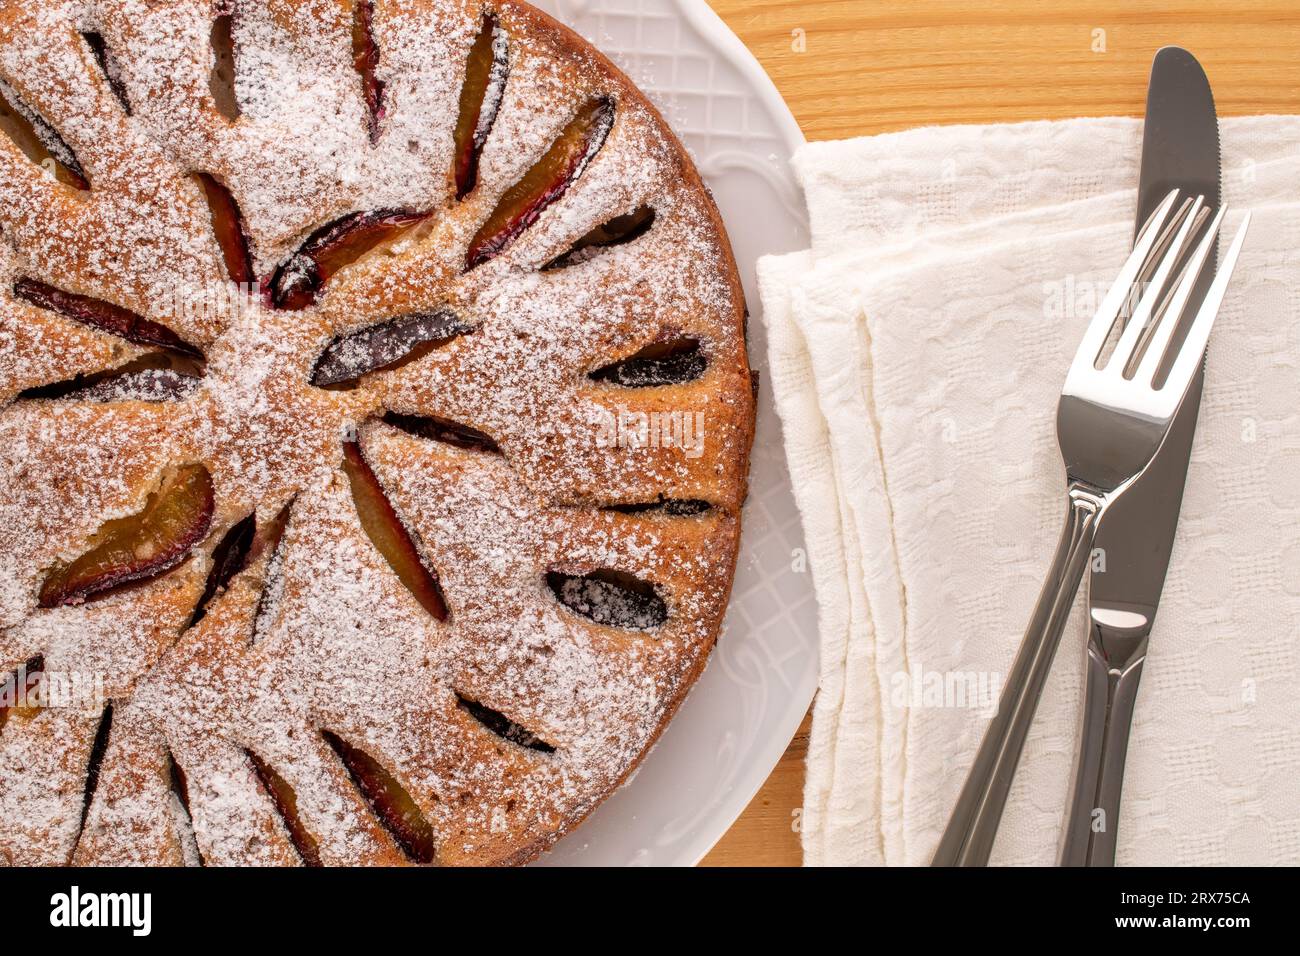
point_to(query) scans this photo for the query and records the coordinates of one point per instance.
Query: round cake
(374, 426)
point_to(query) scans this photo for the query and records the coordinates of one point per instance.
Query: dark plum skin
(299, 280)
(545, 183)
(104, 316)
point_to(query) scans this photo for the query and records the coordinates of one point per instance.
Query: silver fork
(1110, 422)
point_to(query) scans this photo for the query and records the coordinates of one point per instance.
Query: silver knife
(1180, 149)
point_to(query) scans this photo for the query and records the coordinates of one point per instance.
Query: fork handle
(968, 839)
(1099, 778)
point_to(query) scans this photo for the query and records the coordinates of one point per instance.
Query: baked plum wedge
(299, 280)
(152, 377)
(388, 534)
(617, 232)
(221, 82)
(39, 141)
(443, 430)
(228, 559)
(660, 363)
(286, 805)
(610, 597)
(174, 519)
(104, 316)
(480, 97)
(365, 58)
(388, 799)
(503, 726)
(109, 66)
(228, 225)
(543, 184)
(385, 346)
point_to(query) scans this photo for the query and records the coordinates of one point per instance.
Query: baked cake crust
(317, 710)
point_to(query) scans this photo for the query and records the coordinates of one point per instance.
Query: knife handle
(1092, 825)
(968, 839)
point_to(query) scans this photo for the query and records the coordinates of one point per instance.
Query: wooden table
(855, 67)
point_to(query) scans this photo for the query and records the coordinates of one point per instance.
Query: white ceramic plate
(741, 714)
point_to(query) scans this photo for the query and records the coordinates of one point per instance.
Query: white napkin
(917, 352)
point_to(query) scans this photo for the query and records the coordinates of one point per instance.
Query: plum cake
(374, 426)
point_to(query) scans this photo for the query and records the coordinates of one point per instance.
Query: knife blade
(1134, 544)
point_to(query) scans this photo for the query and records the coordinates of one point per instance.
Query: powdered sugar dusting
(321, 634)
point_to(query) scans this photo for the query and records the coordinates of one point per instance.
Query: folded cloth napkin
(917, 351)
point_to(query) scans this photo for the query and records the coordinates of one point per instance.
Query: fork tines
(1172, 249)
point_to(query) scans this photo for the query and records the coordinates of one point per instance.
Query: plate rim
(724, 40)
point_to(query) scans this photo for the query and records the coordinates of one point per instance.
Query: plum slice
(503, 726)
(178, 782)
(104, 316)
(269, 541)
(14, 692)
(153, 377)
(395, 808)
(386, 346)
(544, 183)
(108, 64)
(480, 99)
(443, 430)
(229, 558)
(221, 81)
(242, 544)
(299, 280)
(228, 225)
(612, 598)
(365, 57)
(286, 805)
(38, 140)
(269, 535)
(144, 545)
(617, 232)
(179, 786)
(93, 766)
(672, 507)
(388, 534)
(660, 363)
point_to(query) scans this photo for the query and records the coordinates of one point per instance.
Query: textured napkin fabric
(917, 352)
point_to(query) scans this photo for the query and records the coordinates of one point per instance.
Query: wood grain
(857, 67)
(868, 66)
(766, 834)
